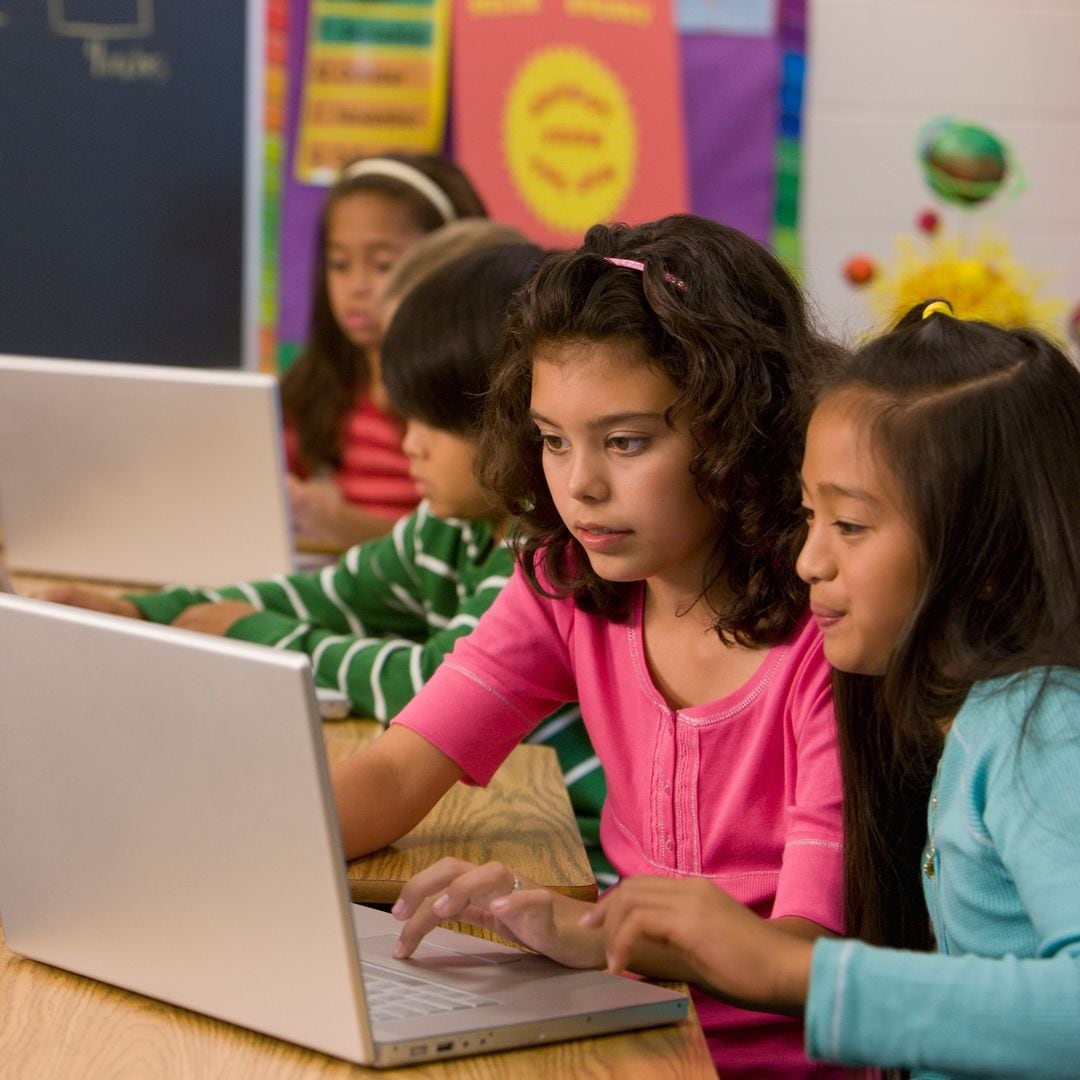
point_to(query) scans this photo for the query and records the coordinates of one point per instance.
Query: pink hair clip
(636, 264)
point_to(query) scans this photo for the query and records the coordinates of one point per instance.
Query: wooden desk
(59, 1026)
(523, 818)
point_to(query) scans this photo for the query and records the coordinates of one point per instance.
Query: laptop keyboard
(393, 995)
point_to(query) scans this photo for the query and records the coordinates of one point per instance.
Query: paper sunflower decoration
(980, 278)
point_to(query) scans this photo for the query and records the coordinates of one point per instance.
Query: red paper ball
(928, 222)
(859, 270)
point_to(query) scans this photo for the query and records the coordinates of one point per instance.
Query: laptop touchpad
(435, 957)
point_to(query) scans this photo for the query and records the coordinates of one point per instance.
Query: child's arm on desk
(324, 521)
(388, 788)
(91, 599)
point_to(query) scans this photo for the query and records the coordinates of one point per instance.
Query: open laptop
(333, 703)
(141, 473)
(166, 825)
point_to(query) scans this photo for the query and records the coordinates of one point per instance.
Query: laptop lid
(168, 827)
(141, 473)
(157, 787)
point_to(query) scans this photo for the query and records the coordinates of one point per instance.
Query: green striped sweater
(378, 622)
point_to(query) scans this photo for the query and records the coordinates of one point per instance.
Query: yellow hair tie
(938, 307)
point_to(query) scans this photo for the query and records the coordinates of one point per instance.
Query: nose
(815, 563)
(587, 482)
(361, 281)
(414, 444)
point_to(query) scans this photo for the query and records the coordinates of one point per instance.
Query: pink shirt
(374, 471)
(744, 791)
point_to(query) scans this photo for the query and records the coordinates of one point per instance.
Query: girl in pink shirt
(644, 427)
(343, 442)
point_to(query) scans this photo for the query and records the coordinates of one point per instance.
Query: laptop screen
(141, 474)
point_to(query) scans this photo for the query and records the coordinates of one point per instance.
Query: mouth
(594, 537)
(358, 320)
(826, 618)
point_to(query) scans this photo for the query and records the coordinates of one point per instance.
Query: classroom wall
(877, 73)
(731, 100)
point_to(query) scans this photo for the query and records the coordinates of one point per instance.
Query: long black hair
(980, 428)
(319, 391)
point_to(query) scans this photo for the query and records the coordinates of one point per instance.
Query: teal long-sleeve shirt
(1001, 996)
(377, 624)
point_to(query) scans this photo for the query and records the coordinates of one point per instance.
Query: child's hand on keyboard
(493, 897)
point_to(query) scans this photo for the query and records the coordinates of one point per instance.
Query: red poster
(568, 112)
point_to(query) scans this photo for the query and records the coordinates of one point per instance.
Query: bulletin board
(731, 54)
(129, 180)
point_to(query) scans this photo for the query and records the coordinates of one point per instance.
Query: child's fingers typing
(427, 884)
(493, 897)
(452, 889)
(694, 930)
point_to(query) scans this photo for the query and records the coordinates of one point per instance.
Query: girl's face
(441, 463)
(366, 234)
(618, 472)
(861, 556)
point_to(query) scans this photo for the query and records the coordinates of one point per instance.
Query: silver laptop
(141, 473)
(166, 825)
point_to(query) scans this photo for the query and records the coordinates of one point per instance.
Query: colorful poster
(752, 18)
(785, 231)
(568, 112)
(277, 30)
(374, 81)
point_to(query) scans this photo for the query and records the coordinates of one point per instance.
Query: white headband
(407, 174)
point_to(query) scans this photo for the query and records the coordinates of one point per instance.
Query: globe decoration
(962, 163)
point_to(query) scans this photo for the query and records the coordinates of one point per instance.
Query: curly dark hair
(722, 319)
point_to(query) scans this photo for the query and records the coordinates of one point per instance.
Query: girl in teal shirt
(942, 484)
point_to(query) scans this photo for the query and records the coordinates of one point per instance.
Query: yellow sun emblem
(979, 278)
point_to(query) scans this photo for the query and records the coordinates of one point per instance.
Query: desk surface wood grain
(55, 1025)
(59, 1026)
(523, 818)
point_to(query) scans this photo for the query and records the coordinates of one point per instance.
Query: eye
(628, 444)
(336, 266)
(553, 444)
(849, 528)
